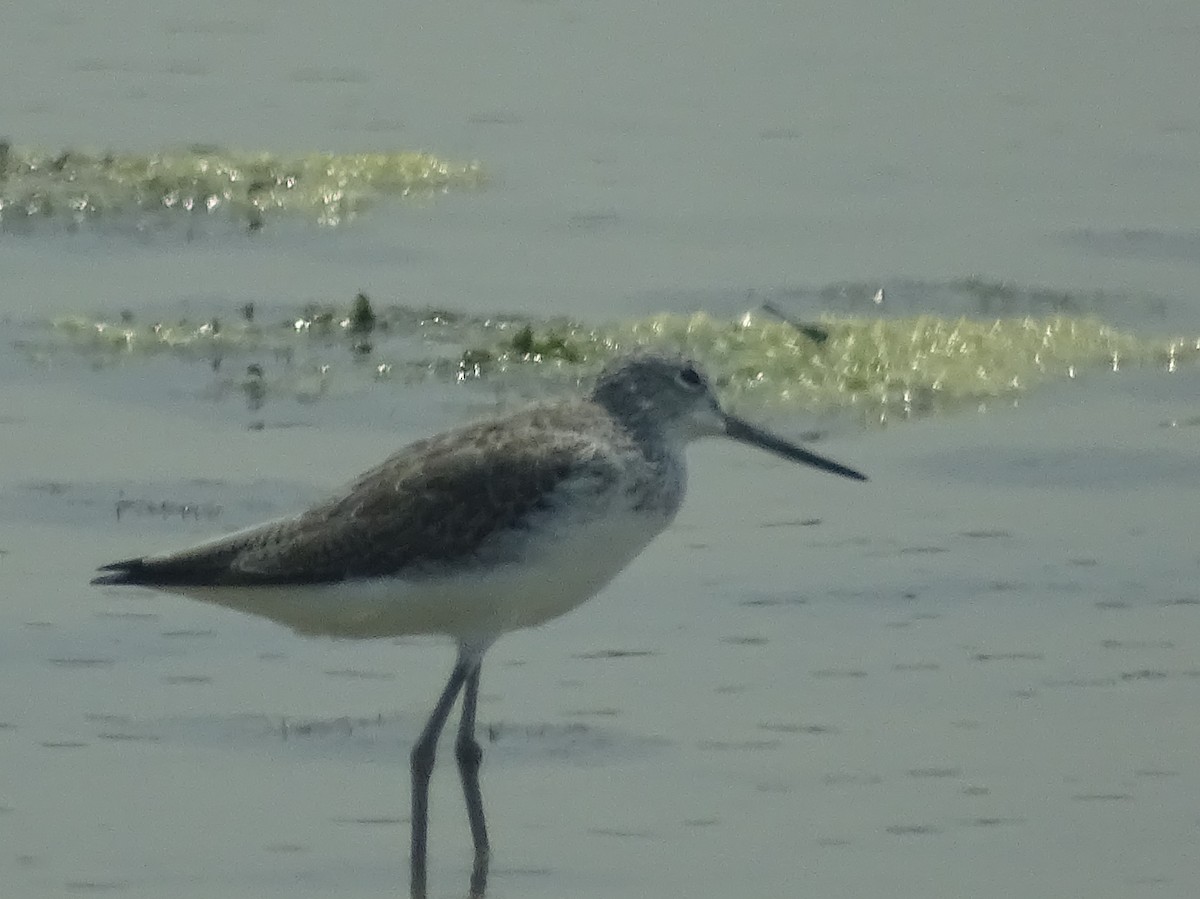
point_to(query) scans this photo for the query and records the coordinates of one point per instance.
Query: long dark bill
(743, 431)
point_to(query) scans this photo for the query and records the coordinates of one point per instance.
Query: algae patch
(908, 366)
(878, 367)
(328, 188)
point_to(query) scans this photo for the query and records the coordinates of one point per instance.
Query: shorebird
(495, 526)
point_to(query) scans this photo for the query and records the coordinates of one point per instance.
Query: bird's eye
(690, 377)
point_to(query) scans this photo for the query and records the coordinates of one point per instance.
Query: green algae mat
(880, 368)
(75, 187)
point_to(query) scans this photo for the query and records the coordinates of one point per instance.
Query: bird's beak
(744, 432)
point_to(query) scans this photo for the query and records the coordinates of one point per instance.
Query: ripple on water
(773, 599)
(614, 654)
(82, 662)
(96, 886)
(851, 778)
(907, 830)
(359, 674)
(788, 727)
(738, 745)
(1015, 656)
(935, 772)
(378, 739)
(193, 679)
(996, 821)
(916, 666)
(1144, 674)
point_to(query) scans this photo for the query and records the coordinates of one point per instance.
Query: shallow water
(981, 655)
(974, 675)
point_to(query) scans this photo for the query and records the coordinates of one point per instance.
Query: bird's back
(466, 499)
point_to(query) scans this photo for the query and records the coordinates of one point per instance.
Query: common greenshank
(496, 526)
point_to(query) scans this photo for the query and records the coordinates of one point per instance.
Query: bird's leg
(469, 754)
(423, 753)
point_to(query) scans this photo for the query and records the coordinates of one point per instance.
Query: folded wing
(452, 500)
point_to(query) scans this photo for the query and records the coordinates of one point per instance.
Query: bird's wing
(437, 502)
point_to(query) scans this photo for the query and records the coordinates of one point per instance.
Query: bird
(497, 525)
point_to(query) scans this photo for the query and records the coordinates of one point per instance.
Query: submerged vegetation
(75, 186)
(882, 367)
(870, 359)
(878, 365)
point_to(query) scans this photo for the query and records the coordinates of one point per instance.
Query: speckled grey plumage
(464, 498)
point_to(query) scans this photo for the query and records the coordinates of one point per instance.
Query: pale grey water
(975, 676)
(641, 151)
